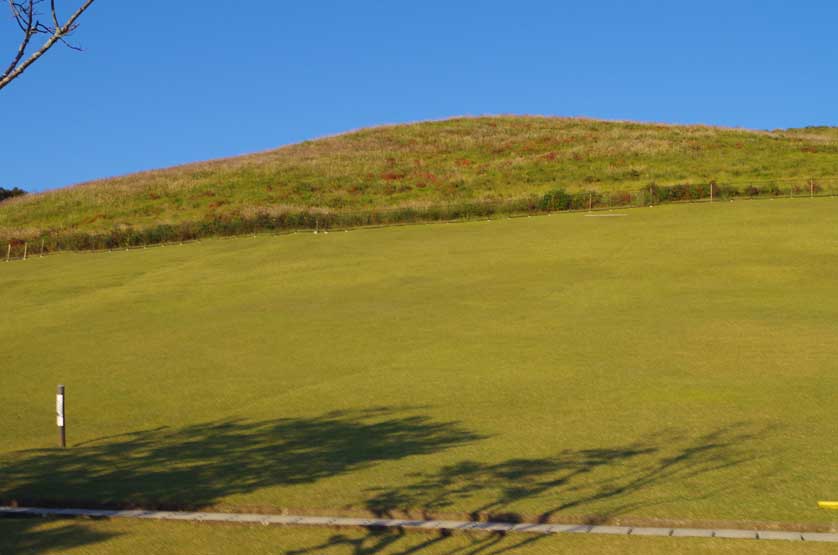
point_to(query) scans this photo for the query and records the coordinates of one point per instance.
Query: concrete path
(421, 524)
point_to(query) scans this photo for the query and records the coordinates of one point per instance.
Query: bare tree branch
(26, 25)
(54, 13)
(24, 13)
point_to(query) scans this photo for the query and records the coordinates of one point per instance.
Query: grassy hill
(418, 168)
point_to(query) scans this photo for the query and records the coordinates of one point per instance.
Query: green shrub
(557, 199)
(229, 224)
(11, 193)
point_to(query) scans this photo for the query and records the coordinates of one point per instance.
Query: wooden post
(60, 419)
(9, 253)
(590, 201)
(811, 188)
(711, 192)
(25, 249)
(42, 248)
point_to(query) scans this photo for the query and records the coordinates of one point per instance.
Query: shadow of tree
(30, 536)
(374, 540)
(666, 457)
(197, 466)
(609, 481)
(399, 542)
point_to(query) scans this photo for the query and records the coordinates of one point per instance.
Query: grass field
(434, 163)
(21, 537)
(678, 363)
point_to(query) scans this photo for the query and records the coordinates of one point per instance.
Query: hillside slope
(432, 163)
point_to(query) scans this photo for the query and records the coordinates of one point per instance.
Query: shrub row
(229, 225)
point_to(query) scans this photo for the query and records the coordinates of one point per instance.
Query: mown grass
(37, 537)
(457, 162)
(676, 364)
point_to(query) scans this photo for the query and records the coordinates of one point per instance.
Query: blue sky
(162, 83)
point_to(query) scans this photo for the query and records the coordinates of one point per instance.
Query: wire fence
(322, 220)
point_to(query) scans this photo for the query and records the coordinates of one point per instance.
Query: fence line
(557, 200)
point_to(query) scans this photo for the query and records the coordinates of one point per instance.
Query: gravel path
(421, 524)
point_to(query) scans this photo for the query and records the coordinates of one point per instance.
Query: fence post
(59, 414)
(25, 249)
(42, 248)
(9, 253)
(811, 188)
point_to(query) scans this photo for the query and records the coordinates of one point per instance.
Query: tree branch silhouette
(25, 14)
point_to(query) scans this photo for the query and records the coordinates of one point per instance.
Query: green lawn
(25, 537)
(678, 363)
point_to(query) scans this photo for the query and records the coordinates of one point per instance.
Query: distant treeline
(9, 193)
(233, 224)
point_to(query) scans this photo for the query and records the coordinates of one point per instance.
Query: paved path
(422, 524)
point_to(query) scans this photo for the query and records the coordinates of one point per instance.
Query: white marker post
(59, 417)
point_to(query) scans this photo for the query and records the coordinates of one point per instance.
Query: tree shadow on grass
(29, 536)
(400, 542)
(574, 479)
(375, 540)
(200, 465)
(587, 486)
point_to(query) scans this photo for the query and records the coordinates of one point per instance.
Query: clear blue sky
(168, 82)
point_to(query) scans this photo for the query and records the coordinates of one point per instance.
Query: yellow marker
(828, 504)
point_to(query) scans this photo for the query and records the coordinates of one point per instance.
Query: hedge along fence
(555, 200)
